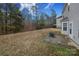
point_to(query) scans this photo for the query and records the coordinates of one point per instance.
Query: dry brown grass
(26, 43)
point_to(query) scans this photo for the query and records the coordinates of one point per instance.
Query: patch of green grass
(62, 50)
(77, 53)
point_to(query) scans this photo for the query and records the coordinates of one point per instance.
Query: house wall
(58, 23)
(64, 15)
(66, 12)
(74, 18)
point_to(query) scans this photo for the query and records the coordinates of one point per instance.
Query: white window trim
(67, 26)
(71, 35)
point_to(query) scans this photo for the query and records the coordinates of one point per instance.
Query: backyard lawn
(33, 43)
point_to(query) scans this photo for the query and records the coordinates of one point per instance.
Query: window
(64, 26)
(70, 28)
(70, 31)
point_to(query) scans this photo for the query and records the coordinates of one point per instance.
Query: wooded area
(12, 20)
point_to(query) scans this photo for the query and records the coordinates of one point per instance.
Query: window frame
(65, 26)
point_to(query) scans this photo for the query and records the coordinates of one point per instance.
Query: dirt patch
(57, 39)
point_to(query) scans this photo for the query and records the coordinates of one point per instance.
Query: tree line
(12, 20)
